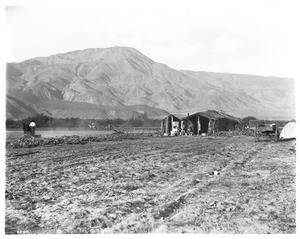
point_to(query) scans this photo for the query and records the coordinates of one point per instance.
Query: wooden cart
(264, 130)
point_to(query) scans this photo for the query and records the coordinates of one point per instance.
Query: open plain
(186, 184)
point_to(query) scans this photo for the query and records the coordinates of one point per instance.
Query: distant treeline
(43, 121)
(279, 123)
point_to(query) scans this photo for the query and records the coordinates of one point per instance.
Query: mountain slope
(67, 109)
(267, 97)
(119, 77)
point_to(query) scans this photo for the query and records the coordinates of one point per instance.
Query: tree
(136, 122)
(10, 123)
(247, 119)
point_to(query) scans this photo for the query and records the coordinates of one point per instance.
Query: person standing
(32, 126)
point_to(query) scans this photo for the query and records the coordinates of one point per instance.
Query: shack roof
(215, 115)
(178, 116)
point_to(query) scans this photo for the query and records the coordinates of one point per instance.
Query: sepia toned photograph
(150, 117)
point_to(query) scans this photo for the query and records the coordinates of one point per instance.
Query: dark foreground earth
(154, 184)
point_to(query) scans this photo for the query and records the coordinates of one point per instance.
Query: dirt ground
(153, 185)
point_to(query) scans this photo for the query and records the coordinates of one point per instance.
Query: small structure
(169, 123)
(204, 123)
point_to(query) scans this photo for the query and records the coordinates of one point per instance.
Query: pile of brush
(74, 139)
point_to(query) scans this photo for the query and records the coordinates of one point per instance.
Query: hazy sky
(252, 37)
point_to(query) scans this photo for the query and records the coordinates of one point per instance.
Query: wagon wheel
(270, 136)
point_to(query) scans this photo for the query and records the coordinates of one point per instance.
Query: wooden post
(162, 126)
(209, 128)
(171, 122)
(180, 126)
(167, 124)
(198, 125)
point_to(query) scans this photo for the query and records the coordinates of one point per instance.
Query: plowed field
(156, 184)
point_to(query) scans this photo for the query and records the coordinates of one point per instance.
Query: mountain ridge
(121, 77)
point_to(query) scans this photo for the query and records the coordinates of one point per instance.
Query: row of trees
(44, 121)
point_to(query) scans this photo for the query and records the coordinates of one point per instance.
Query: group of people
(92, 126)
(179, 131)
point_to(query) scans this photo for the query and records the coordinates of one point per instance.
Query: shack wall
(225, 125)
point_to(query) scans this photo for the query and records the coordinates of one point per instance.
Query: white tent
(288, 131)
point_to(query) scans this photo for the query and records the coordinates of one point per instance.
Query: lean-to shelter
(169, 122)
(208, 122)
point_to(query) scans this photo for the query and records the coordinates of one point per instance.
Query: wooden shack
(208, 122)
(169, 122)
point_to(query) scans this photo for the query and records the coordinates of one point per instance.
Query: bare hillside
(121, 77)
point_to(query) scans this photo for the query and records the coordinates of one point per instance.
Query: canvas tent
(288, 131)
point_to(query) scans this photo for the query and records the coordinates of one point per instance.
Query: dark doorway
(204, 125)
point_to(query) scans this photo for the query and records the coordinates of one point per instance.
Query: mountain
(263, 97)
(122, 82)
